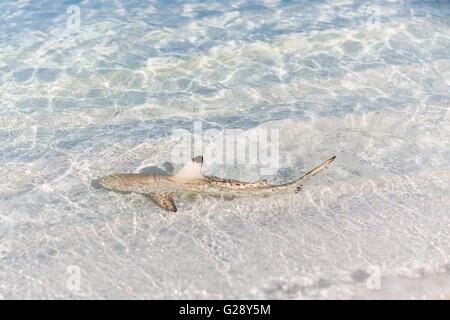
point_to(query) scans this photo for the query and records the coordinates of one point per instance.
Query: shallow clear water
(369, 84)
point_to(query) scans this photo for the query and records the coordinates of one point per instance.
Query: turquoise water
(102, 92)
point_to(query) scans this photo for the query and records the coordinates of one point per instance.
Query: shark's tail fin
(299, 181)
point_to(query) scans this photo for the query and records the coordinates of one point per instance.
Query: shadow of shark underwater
(163, 187)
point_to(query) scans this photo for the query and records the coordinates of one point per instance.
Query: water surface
(367, 83)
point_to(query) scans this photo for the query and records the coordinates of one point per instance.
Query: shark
(162, 188)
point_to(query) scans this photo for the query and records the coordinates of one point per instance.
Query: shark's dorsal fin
(191, 171)
(164, 200)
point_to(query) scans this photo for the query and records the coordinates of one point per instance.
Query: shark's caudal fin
(299, 181)
(192, 171)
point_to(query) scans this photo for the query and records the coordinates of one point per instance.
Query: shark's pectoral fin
(164, 200)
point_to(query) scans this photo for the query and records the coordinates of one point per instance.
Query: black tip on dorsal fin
(198, 159)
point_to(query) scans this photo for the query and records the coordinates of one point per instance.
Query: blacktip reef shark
(162, 188)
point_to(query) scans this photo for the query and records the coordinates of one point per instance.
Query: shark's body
(162, 188)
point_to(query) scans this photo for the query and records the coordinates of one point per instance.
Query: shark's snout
(110, 182)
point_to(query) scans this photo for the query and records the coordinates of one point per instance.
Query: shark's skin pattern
(162, 188)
